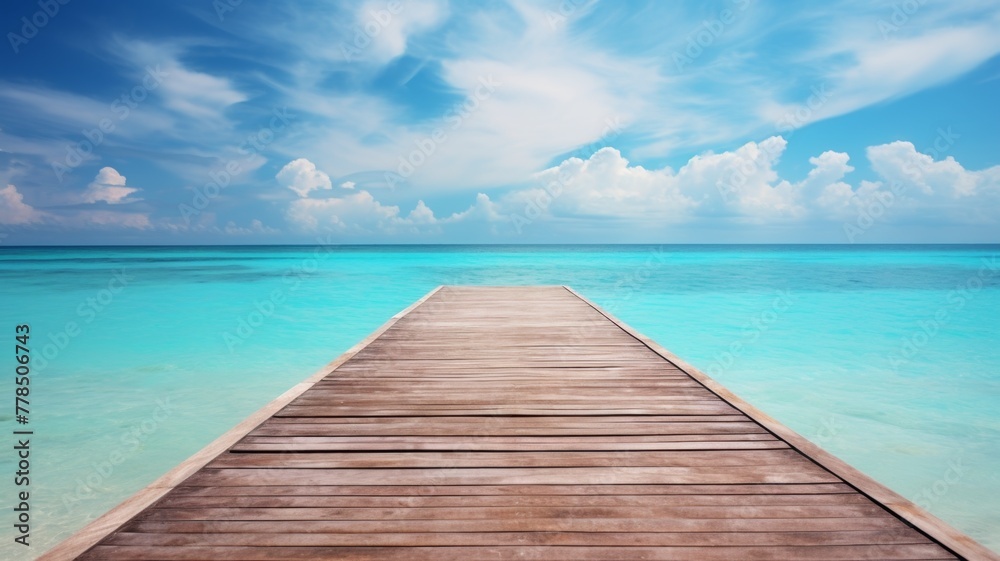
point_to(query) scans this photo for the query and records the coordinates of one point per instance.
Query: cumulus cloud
(606, 185)
(941, 190)
(13, 209)
(740, 186)
(256, 227)
(743, 186)
(740, 182)
(302, 177)
(900, 162)
(108, 219)
(483, 210)
(360, 212)
(109, 187)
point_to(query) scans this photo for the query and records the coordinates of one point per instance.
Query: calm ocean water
(884, 355)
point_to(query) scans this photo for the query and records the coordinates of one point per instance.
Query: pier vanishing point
(513, 423)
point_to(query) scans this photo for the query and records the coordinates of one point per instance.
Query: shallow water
(884, 355)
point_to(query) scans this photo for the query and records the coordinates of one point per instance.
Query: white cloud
(389, 32)
(421, 214)
(861, 65)
(302, 177)
(737, 187)
(13, 209)
(256, 227)
(357, 212)
(108, 186)
(192, 93)
(548, 95)
(360, 212)
(560, 84)
(197, 94)
(483, 210)
(743, 186)
(741, 182)
(606, 185)
(900, 162)
(936, 190)
(557, 87)
(108, 219)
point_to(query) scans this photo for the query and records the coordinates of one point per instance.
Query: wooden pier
(513, 423)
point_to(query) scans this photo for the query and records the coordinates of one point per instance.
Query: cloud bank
(740, 187)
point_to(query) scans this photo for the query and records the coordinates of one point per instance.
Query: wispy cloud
(474, 108)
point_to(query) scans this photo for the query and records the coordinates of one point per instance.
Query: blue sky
(248, 122)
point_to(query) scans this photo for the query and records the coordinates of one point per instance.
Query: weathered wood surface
(518, 423)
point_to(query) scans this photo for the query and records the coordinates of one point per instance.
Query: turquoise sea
(888, 356)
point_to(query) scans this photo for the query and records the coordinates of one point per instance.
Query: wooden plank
(510, 476)
(421, 501)
(453, 539)
(867, 510)
(499, 429)
(318, 444)
(528, 421)
(550, 458)
(712, 526)
(516, 490)
(394, 411)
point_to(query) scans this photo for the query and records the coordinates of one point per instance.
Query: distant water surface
(885, 355)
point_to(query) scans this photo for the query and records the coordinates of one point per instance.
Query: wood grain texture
(513, 423)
